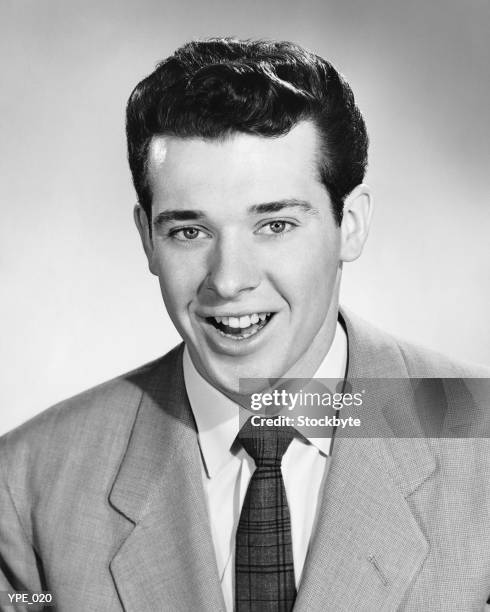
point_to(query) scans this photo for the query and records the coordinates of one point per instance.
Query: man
(248, 159)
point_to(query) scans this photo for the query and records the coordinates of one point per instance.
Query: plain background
(78, 305)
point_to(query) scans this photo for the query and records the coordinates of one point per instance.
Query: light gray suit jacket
(102, 503)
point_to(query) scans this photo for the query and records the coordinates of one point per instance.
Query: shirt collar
(218, 417)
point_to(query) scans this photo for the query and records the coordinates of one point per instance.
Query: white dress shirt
(226, 471)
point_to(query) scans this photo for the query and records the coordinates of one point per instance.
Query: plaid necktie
(264, 570)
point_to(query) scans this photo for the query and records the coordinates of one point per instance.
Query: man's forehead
(246, 169)
(301, 142)
(158, 150)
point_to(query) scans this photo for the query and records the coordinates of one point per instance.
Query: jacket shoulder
(422, 362)
(382, 354)
(94, 424)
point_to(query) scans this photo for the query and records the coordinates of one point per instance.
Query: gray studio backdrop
(78, 305)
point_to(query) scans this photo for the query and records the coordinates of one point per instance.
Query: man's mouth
(242, 327)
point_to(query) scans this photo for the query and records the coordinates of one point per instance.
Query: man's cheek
(173, 295)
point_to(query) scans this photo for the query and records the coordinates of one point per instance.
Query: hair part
(217, 87)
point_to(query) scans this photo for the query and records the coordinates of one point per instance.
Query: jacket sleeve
(19, 566)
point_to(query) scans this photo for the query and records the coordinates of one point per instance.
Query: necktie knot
(265, 444)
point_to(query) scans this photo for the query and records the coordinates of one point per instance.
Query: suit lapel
(167, 561)
(367, 547)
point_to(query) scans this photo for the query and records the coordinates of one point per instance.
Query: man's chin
(237, 376)
(243, 383)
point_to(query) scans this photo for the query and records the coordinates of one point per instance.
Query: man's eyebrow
(177, 215)
(276, 206)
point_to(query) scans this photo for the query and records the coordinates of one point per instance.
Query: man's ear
(358, 210)
(142, 224)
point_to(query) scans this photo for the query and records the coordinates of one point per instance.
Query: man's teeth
(242, 322)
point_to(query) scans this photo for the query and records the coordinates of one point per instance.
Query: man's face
(246, 249)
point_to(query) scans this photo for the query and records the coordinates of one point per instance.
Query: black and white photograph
(246, 349)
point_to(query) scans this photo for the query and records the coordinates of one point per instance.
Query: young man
(248, 159)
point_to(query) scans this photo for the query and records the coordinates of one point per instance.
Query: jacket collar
(376, 358)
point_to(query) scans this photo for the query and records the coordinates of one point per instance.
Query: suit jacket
(102, 502)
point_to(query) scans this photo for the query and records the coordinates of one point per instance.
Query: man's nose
(233, 268)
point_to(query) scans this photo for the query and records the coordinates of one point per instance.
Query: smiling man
(155, 491)
(243, 235)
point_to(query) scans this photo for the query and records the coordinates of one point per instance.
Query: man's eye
(276, 227)
(187, 233)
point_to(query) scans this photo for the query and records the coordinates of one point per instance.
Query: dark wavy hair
(217, 87)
